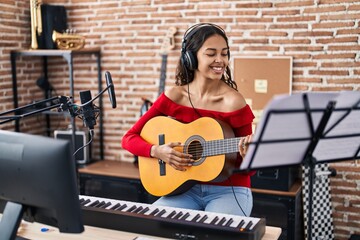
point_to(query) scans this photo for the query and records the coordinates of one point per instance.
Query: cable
(237, 201)
(192, 105)
(188, 91)
(91, 138)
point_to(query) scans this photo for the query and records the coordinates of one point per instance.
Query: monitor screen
(38, 174)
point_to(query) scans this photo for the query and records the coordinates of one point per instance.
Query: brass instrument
(65, 41)
(36, 22)
(68, 41)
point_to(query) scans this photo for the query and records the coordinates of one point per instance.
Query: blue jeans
(212, 198)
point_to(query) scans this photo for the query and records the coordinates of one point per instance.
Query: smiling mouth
(217, 69)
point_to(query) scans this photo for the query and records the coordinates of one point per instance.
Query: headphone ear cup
(190, 60)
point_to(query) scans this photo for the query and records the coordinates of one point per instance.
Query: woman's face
(213, 58)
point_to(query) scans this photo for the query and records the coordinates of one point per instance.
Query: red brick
(321, 36)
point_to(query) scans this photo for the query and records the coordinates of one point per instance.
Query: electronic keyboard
(168, 222)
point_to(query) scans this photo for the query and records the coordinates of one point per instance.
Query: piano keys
(168, 222)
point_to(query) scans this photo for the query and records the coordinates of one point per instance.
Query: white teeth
(217, 68)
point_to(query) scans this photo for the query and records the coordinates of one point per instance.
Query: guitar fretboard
(222, 146)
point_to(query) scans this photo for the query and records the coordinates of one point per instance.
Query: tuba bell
(68, 41)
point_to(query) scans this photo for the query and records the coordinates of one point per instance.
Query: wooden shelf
(115, 169)
(294, 190)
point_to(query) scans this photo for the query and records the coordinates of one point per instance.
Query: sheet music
(288, 132)
(344, 143)
(337, 148)
(344, 102)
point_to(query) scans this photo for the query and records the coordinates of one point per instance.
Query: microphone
(88, 110)
(111, 89)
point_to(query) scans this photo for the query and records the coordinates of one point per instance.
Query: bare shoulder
(234, 100)
(175, 93)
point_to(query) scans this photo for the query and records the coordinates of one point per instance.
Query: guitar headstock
(168, 41)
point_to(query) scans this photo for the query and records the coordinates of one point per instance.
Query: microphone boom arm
(6, 119)
(65, 103)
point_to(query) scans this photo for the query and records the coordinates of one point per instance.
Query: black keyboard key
(115, 206)
(214, 221)
(132, 208)
(154, 212)
(197, 216)
(229, 222)
(100, 204)
(138, 209)
(241, 223)
(106, 205)
(185, 216)
(248, 226)
(171, 214)
(203, 219)
(221, 222)
(162, 212)
(93, 204)
(84, 202)
(178, 215)
(144, 210)
(121, 207)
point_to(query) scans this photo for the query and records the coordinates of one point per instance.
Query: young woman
(204, 88)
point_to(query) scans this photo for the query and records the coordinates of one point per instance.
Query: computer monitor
(38, 181)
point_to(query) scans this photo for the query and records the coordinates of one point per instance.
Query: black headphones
(188, 58)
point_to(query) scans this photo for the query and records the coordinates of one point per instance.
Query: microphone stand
(62, 102)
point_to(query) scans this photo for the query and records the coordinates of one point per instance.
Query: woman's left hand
(244, 145)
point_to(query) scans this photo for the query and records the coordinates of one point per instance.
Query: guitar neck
(222, 146)
(162, 74)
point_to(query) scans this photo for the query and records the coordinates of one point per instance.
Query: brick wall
(322, 36)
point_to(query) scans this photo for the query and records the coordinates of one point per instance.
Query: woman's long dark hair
(183, 74)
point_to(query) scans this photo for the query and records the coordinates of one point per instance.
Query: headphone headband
(188, 58)
(192, 30)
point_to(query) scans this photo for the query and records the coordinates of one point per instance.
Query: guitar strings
(216, 146)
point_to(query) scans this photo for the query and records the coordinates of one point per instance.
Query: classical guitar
(211, 142)
(167, 45)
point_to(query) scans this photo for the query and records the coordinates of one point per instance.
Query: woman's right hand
(173, 157)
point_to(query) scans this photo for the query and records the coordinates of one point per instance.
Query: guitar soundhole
(195, 149)
(195, 146)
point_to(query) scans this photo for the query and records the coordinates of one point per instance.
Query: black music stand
(306, 129)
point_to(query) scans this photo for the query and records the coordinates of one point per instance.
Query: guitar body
(194, 136)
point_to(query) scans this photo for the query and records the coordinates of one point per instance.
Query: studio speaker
(81, 138)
